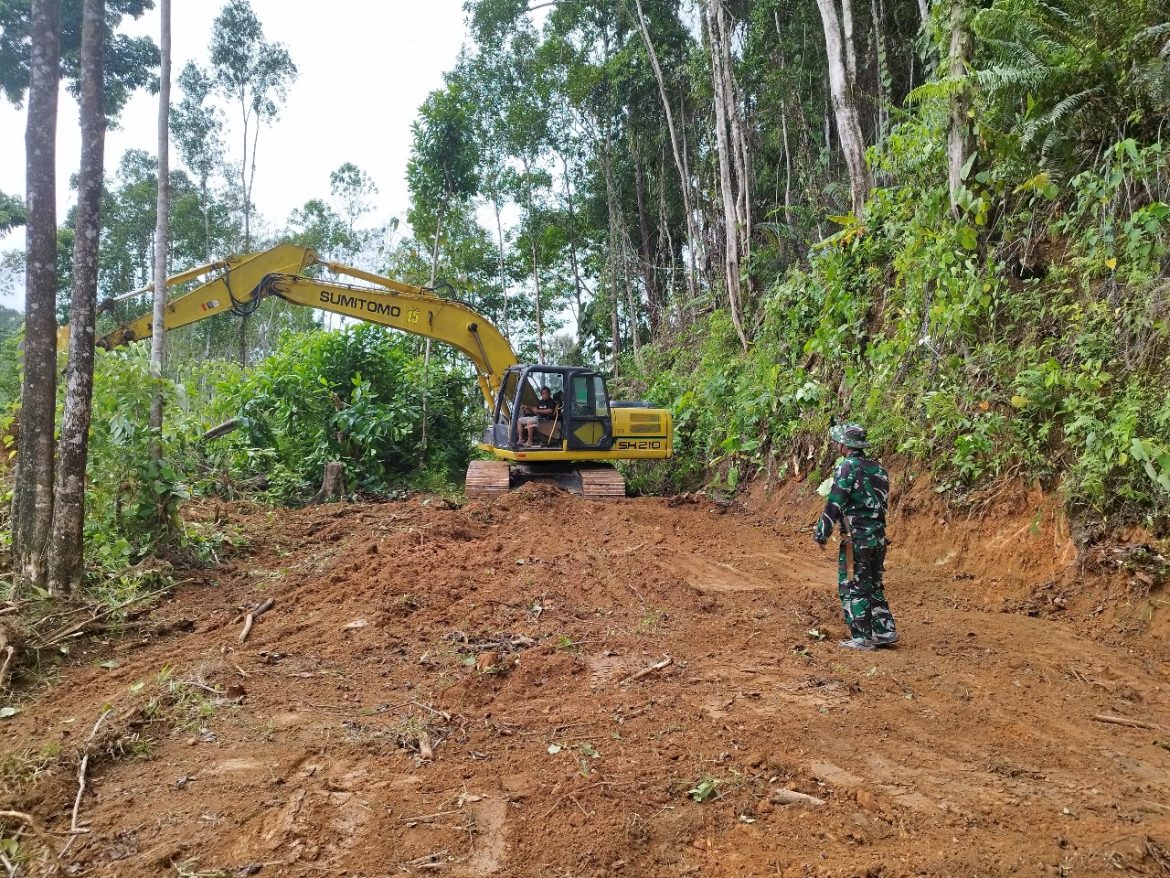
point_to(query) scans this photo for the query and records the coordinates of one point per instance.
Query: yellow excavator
(580, 435)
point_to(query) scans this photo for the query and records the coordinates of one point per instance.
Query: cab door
(590, 426)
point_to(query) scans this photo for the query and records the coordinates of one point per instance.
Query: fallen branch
(1125, 721)
(791, 797)
(645, 672)
(80, 792)
(251, 618)
(429, 859)
(9, 654)
(74, 829)
(58, 636)
(197, 685)
(220, 430)
(440, 713)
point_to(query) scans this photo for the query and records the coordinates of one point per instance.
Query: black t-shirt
(545, 409)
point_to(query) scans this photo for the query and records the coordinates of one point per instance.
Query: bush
(353, 395)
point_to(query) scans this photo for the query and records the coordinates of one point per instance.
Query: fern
(1090, 71)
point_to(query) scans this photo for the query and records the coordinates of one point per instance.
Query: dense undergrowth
(351, 395)
(1027, 337)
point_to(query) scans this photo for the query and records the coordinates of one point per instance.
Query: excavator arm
(231, 288)
(243, 281)
(409, 309)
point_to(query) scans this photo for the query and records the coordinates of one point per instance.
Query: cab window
(554, 381)
(589, 397)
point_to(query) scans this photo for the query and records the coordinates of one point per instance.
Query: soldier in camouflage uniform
(857, 505)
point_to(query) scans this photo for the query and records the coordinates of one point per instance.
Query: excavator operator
(544, 410)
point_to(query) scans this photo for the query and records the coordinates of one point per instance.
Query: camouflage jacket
(857, 499)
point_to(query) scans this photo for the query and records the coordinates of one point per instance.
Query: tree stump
(332, 484)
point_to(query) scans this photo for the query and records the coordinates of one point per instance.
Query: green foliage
(11, 212)
(133, 499)
(130, 62)
(1084, 72)
(922, 326)
(354, 396)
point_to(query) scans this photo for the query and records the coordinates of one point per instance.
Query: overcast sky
(365, 67)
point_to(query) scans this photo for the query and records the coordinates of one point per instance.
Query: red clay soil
(521, 643)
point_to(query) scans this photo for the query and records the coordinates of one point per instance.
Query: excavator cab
(582, 420)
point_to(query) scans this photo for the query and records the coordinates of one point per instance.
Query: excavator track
(487, 477)
(602, 483)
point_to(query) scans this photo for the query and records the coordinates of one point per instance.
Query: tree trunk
(32, 513)
(65, 557)
(574, 264)
(877, 10)
(422, 446)
(614, 243)
(679, 160)
(246, 192)
(503, 273)
(738, 138)
(535, 260)
(841, 85)
(959, 141)
(848, 45)
(332, 484)
(646, 241)
(242, 340)
(728, 169)
(787, 165)
(633, 316)
(163, 213)
(665, 238)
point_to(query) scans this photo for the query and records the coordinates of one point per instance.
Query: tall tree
(441, 171)
(734, 163)
(158, 333)
(65, 557)
(254, 74)
(679, 152)
(842, 83)
(32, 513)
(354, 191)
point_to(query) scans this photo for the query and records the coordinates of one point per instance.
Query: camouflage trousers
(862, 599)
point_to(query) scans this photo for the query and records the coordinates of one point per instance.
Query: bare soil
(459, 692)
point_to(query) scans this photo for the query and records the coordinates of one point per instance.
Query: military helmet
(849, 435)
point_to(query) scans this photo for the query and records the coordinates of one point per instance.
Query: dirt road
(485, 691)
